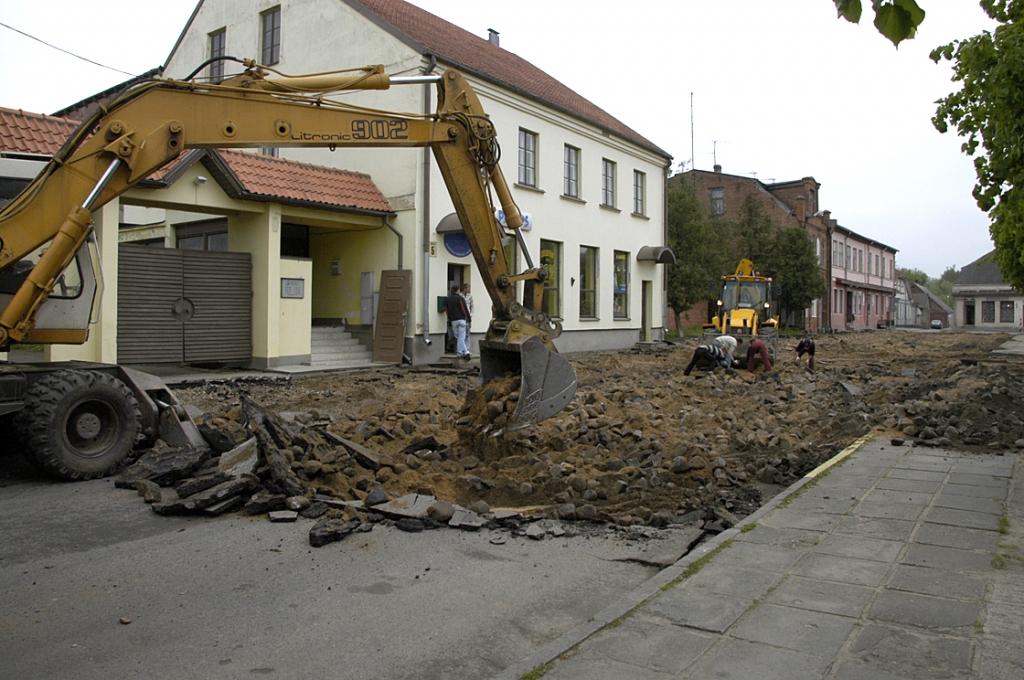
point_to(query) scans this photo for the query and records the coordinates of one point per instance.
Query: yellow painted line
(848, 451)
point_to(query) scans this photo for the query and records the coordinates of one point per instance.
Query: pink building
(863, 281)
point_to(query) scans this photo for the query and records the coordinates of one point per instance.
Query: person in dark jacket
(458, 315)
(708, 356)
(757, 353)
(806, 346)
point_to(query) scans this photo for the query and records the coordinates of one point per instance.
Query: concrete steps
(334, 347)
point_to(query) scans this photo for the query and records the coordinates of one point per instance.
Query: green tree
(942, 287)
(987, 112)
(751, 235)
(916, 276)
(792, 263)
(897, 20)
(696, 241)
(950, 274)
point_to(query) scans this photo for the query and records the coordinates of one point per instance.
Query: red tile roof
(247, 176)
(277, 179)
(472, 53)
(33, 133)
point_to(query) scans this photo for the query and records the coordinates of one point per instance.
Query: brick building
(787, 204)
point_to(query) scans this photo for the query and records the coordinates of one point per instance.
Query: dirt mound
(640, 443)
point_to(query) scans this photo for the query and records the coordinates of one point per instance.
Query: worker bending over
(728, 345)
(709, 357)
(806, 346)
(757, 353)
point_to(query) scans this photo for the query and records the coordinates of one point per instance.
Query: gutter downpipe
(427, 110)
(401, 239)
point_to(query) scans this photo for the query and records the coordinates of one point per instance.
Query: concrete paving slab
(957, 537)
(802, 630)
(700, 610)
(938, 582)
(972, 491)
(843, 570)
(807, 522)
(794, 539)
(828, 506)
(863, 547)
(910, 654)
(589, 666)
(996, 466)
(963, 518)
(982, 505)
(890, 529)
(848, 481)
(763, 557)
(892, 496)
(649, 646)
(858, 670)
(822, 596)
(987, 481)
(916, 475)
(888, 510)
(742, 660)
(897, 484)
(748, 584)
(925, 611)
(952, 559)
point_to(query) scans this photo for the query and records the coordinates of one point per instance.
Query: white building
(983, 301)
(594, 188)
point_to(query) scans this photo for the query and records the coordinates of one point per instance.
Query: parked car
(936, 324)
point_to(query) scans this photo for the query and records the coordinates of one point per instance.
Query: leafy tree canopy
(795, 266)
(696, 241)
(916, 276)
(986, 111)
(897, 20)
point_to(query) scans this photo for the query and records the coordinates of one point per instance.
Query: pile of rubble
(640, 444)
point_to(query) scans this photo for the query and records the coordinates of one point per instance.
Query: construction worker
(728, 345)
(805, 346)
(757, 353)
(709, 357)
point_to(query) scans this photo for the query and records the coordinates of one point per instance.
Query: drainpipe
(427, 110)
(401, 239)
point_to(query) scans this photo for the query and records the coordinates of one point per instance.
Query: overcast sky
(781, 89)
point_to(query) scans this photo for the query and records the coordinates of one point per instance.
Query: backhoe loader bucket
(548, 379)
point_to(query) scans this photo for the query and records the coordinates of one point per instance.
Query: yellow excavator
(81, 420)
(744, 310)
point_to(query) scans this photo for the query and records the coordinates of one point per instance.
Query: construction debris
(640, 445)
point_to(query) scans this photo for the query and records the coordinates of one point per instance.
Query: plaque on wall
(293, 288)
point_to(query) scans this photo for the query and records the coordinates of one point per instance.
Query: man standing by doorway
(459, 317)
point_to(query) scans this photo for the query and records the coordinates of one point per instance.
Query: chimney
(718, 168)
(492, 37)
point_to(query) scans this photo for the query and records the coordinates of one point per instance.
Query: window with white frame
(607, 183)
(849, 260)
(588, 282)
(571, 172)
(218, 47)
(272, 36)
(639, 193)
(527, 158)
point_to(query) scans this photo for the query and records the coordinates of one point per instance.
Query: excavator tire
(79, 424)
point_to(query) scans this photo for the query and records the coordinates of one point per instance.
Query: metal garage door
(183, 306)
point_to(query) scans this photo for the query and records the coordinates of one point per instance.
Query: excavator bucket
(548, 379)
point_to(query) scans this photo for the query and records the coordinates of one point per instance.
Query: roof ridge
(446, 41)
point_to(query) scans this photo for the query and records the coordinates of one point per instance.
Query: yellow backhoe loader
(744, 310)
(82, 420)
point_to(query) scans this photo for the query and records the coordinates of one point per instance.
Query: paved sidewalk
(889, 563)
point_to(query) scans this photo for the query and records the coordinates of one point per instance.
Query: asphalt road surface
(93, 584)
